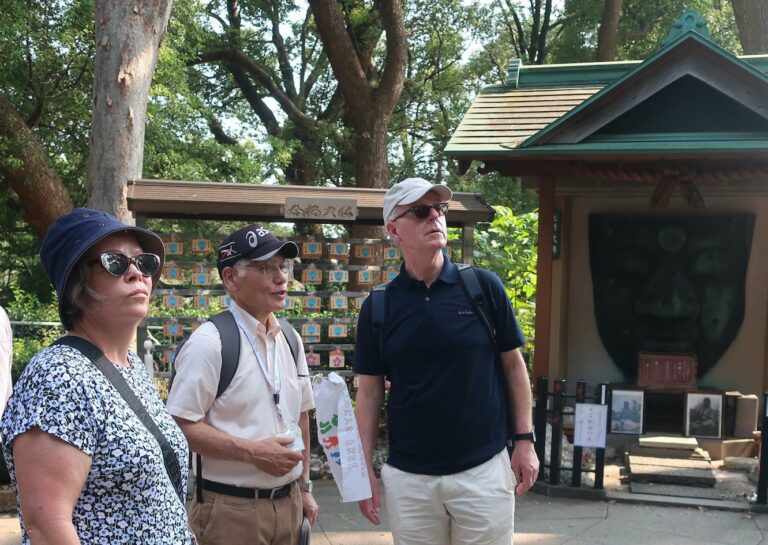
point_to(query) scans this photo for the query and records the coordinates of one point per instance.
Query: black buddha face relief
(669, 285)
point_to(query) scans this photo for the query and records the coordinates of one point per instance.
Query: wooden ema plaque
(666, 371)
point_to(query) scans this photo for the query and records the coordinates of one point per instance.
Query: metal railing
(762, 475)
(553, 413)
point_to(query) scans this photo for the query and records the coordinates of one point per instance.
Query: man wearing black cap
(254, 437)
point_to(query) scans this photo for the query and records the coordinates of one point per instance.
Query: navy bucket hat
(74, 233)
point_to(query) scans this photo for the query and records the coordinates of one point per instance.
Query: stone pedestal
(746, 416)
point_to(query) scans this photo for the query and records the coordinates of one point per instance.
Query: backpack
(469, 280)
(230, 347)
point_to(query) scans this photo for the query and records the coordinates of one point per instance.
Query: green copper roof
(545, 105)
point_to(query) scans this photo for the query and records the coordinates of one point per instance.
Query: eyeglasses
(117, 264)
(271, 269)
(422, 211)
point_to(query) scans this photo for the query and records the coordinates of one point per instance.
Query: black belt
(240, 492)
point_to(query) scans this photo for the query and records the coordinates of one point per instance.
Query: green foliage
(455, 47)
(507, 246)
(642, 28)
(47, 49)
(497, 189)
(28, 340)
(437, 90)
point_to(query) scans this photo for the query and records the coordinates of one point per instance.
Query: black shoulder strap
(230, 359)
(230, 348)
(290, 336)
(470, 281)
(378, 313)
(113, 375)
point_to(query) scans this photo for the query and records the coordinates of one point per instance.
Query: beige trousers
(473, 507)
(227, 520)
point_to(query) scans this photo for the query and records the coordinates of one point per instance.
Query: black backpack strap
(230, 348)
(113, 375)
(199, 477)
(290, 336)
(378, 313)
(470, 281)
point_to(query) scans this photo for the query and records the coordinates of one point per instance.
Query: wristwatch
(305, 486)
(530, 436)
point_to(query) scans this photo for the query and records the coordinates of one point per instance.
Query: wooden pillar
(141, 329)
(467, 244)
(765, 363)
(544, 277)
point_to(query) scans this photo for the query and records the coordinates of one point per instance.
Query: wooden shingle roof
(497, 121)
(547, 119)
(260, 202)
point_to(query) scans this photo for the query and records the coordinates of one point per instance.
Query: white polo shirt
(246, 408)
(6, 358)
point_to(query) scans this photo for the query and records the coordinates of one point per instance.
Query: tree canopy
(248, 91)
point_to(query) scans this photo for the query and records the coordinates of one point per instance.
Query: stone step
(669, 462)
(669, 442)
(658, 452)
(676, 490)
(644, 469)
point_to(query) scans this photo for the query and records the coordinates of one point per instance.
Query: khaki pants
(474, 507)
(227, 520)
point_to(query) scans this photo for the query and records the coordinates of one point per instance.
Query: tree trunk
(371, 165)
(128, 37)
(370, 104)
(608, 33)
(25, 165)
(752, 20)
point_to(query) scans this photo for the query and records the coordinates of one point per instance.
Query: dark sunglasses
(422, 210)
(117, 264)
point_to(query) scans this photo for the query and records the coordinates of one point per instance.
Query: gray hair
(76, 290)
(240, 266)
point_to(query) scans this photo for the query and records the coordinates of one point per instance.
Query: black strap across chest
(113, 375)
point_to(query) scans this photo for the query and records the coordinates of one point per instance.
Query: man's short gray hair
(240, 267)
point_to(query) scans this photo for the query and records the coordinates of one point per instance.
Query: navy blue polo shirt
(446, 406)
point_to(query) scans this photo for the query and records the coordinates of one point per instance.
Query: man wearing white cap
(253, 485)
(449, 478)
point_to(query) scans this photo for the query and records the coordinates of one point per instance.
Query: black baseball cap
(253, 242)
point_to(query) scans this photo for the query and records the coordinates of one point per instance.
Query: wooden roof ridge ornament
(683, 177)
(621, 172)
(513, 73)
(687, 22)
(667, 176)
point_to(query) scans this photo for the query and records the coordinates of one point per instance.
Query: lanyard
(275, 385)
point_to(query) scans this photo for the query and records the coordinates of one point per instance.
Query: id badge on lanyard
(284, 429)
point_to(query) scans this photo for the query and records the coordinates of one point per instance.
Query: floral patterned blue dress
(128, 496)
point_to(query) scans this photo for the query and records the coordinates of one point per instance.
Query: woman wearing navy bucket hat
(94, 458)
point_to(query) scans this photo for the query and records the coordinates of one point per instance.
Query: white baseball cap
(409, 191)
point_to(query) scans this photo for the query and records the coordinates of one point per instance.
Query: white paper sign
(338, 435)
(590, 425)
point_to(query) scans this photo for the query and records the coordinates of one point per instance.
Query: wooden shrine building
(678, 144)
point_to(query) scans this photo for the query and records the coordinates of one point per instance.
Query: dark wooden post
(540, 421)
(602, 399)
(556, 444)
(544, 276)
(581, 396)
(141, 330)
(762, 478)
